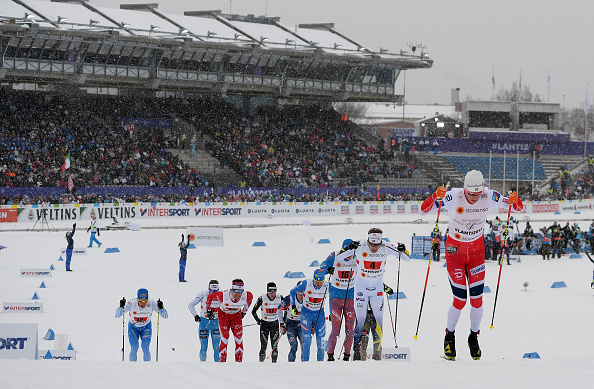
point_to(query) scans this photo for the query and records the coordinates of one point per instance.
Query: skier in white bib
(371, 258)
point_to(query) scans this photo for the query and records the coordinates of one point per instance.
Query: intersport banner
(223, 210)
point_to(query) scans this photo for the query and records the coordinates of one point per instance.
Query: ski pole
(435, 229)
(392, 321)
(275, 344)
(157, 357)
(501, 265)
(123, 335)
(397, 298)
(248, 325)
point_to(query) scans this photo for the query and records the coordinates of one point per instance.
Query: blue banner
(151, 123)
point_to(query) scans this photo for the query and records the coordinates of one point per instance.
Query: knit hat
(142, 294)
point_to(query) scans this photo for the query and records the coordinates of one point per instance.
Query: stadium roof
(212, 26)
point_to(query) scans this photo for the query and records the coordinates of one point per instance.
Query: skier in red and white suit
(233, 305)
(467, 208)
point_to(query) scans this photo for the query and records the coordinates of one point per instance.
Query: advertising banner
(18, 341)
(8, 307)
(400, 354)
(36, 273)
(205, 236)
(78, 251)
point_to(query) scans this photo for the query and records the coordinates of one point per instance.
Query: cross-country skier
(70, 246)
(341, 293)
(269, 305)
(468, 208)
(94, 231)
(292, 323)
(369, 279)
(232, 307)
(206, 325)
(313, 318)
(139, 326)
(183, 249)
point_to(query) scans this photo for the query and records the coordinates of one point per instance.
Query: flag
(70, 184)
(586, 103)
(66, 164)
(549, 83)
(378, 193)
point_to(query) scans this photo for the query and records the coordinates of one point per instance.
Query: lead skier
(140, 326)
(269, 304)
(468, 208)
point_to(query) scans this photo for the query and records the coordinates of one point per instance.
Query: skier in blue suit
(94, 231)
(140, 326)
(183, 249)
(313, 318)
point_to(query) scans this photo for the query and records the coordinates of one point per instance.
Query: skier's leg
(236, 327)
(264, 331)
(215, 337)
(203, 336)
(349, 325)
(133, 335)
(321, 335)
(146, 335)
(336, 313)
(292, 327)
(306, 324)
(224, 326)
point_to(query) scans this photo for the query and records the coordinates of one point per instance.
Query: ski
(447, 358)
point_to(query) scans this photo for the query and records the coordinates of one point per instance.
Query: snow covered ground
(556, 323)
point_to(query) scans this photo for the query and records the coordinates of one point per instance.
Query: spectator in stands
(435, 146)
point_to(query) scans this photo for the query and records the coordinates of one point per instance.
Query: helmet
(474, 181)
(346, 243)
(271, 287)
(142, 294)
(319, 274)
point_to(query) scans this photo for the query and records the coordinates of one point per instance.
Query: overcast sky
(467, 39)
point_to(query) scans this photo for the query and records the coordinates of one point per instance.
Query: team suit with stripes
(230, 311)
(465, 250)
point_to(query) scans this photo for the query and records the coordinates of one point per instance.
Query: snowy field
(556, 323)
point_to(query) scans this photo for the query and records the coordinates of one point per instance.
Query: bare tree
(515, 94)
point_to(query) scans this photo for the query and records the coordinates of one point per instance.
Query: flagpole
(586, 103)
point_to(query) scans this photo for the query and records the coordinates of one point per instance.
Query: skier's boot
(475, 350)
(449, 345)
(346, 357)
(262, 357)
(330, 357)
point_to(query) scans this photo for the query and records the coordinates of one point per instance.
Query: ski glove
(513, 198)
(440, 192)
(122, 302)
(592, 284)
(296, 312)
(283, 328)
(330, 270)
(243, 315)
(159, 304)
(74, 225)
(210, 314)
(354, 244)
(258, 321)
(401, 247)
(197, 318)
(182, 237)
(389, 291)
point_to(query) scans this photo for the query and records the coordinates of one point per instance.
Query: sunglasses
(272, 290)
(142, 300)
(473, 193)
(374, 244)
(237, 291)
